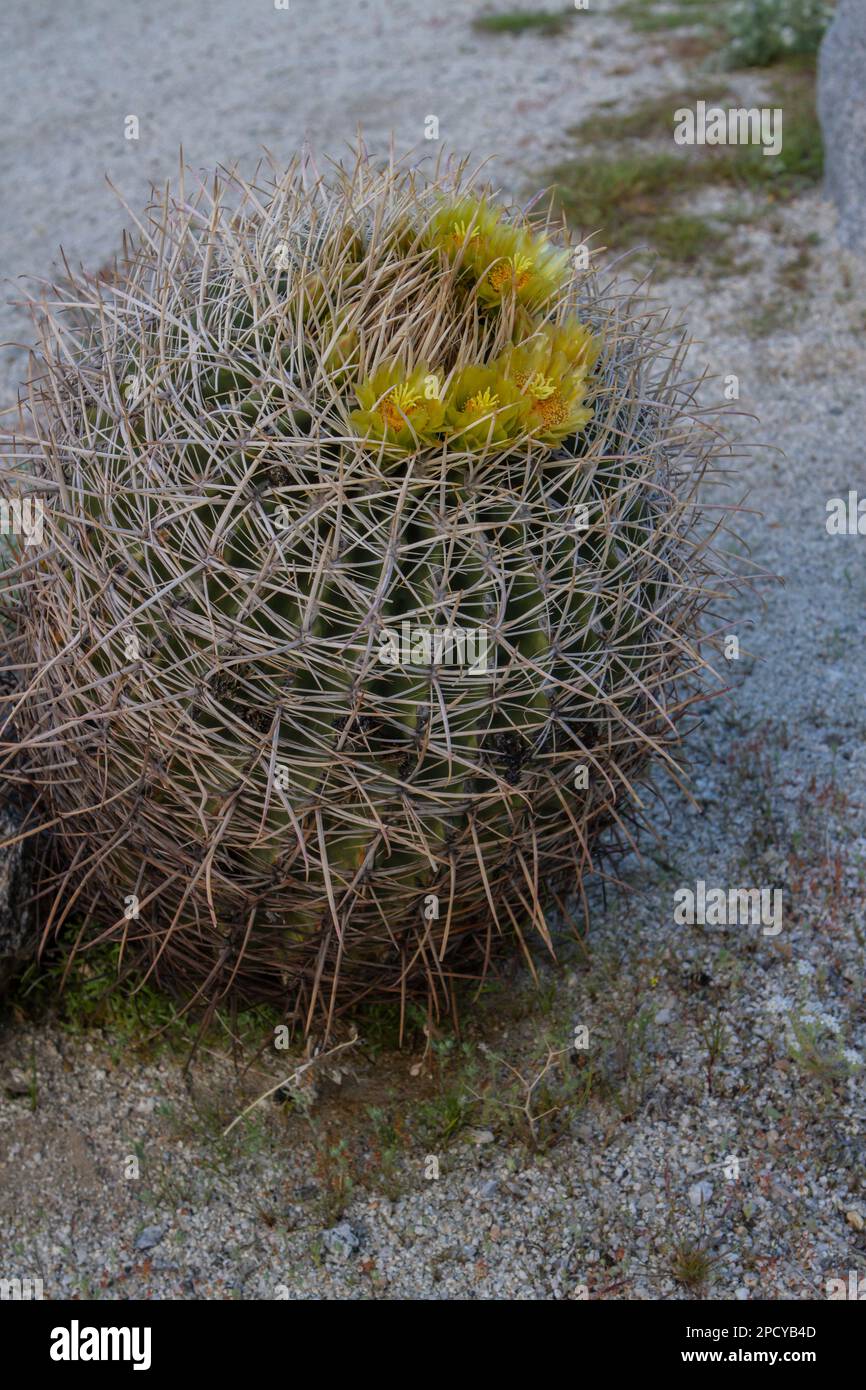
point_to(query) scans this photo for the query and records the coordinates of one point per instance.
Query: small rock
(149, 1237)
(855, 1219)
(742, 1294)
(341, 1241)
(480, 1136)
(16, 1084)
(700, 1193)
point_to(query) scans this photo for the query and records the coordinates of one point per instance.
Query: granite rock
(842, 112)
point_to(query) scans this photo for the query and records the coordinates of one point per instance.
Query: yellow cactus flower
(399, 408)
(550, 372)
(458, 222)
(461, 232)
(483, 407)
(504, 260)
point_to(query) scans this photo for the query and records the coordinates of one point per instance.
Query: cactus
(370, 523)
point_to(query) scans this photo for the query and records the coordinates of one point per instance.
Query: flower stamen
(398, 405)
(482, 402)
(512, 272)
(460, 232)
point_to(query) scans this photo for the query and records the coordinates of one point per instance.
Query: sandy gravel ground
(224, 79)
(713, 1136)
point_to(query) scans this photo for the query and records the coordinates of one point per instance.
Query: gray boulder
(842, 112)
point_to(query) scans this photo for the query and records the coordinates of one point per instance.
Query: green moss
(682, 237)
(617, 196)
(384, 1026)
(650, 119)
(627, 201)
(547, 22)
(646, 19)
(772, 315)
(95, 991)
(631, 196)
(793, 274)
(802, 157)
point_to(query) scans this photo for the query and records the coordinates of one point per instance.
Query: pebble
(480, 1136)
(341, 1241)
(149, 1237)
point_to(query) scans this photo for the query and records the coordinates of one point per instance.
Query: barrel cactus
(372, 581)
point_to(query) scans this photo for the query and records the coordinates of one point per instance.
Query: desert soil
(711, 1132)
